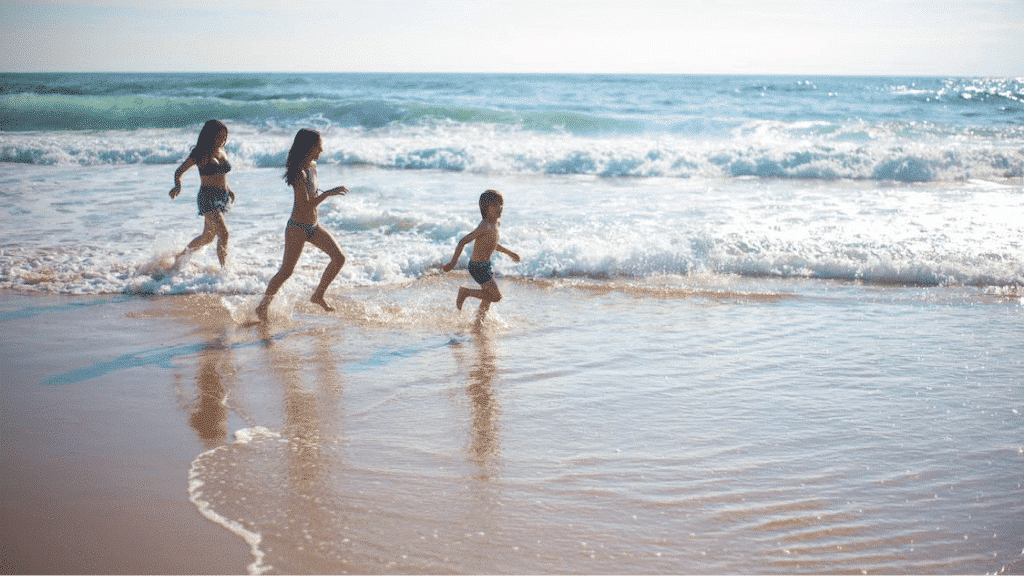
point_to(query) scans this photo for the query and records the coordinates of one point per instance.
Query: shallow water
(663, 397)
(604, 432)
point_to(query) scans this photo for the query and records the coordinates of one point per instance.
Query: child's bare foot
(182, 258)
(261, 310)
(463, 294)
(323, 303)
(481, 313)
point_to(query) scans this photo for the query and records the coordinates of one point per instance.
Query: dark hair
(207, 141)
(488, 198)
(304, 142)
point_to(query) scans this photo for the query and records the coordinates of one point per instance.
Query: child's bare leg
(487, 293)
(481, 312)
(199, 241)
(319, 299)
(329, 273)
(264, 305)
(182, 257)
(214, 227)
(323, 240)
(463, 294)
(491, 292)
(222, 249)
(467, 293)
(215, 220)
(196, 243)
(294, 241)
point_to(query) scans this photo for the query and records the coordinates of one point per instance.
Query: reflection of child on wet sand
(485, 242)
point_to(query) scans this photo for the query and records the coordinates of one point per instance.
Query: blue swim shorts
(480, 271)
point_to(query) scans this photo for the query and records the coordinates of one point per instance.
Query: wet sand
(590, 427)
(94, 465)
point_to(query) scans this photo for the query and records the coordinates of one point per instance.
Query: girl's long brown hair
(207, 141)
(304, 142)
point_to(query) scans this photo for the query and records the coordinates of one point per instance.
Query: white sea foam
(197, 487)
(397, 226)
(772, 149)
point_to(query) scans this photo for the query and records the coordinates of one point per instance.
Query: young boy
(485, 242)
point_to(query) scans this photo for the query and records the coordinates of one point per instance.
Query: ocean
(761, 324)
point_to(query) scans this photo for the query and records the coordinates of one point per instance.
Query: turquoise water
(887, 180)
(818, 127)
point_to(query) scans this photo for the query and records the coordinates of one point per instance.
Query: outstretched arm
(458, 249)
(336, 191)
(188, 163)
(511, 254)
(305, 197)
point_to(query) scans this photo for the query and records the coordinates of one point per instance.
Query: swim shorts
(480, 271)
(211, 199)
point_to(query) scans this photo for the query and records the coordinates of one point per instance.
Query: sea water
(761, 324)
(889, 180)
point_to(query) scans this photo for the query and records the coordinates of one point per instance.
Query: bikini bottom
(309, 229)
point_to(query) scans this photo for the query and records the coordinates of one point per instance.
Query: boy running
(485, 242)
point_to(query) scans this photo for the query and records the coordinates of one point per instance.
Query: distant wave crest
(756, 150)
(59, 112)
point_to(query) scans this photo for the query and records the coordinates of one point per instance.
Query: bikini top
(211, 168)
(311, 180)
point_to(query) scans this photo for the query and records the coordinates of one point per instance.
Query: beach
(760, 325)
(95, 464)
(752, 438)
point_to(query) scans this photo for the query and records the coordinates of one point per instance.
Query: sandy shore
(97, 441)
(587, 428)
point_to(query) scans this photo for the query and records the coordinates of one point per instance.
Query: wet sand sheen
(95, 453)
(588, 427)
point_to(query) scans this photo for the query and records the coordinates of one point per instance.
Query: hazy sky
(926, 37)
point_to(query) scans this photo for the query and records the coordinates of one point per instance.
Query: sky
(856, 37)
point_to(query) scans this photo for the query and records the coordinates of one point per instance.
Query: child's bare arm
(336, 191)
(511, 254)
(458, 249)
(312, 199)
(188, 163)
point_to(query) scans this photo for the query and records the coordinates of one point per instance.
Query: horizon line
(498, 73)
